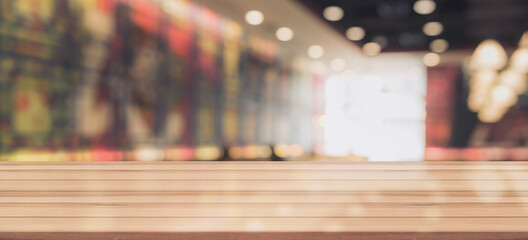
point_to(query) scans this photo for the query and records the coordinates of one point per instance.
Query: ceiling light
(355, 33)
(424, 7)
(433, 29)
(371, 49)
(333, 13)
(338, 64)
(439, 45)
(284, 34)
(315, 51)
(254, 17)
(431, 59)
(488, 55)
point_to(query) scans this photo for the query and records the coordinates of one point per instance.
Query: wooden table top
(264, 200)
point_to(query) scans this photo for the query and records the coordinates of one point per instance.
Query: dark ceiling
(466, 22)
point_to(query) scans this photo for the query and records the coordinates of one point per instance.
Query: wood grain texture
(263, 200)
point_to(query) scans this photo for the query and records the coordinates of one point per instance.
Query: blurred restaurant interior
(147, 80)
(264, 119)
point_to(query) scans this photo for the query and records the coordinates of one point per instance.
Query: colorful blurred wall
(84, 80)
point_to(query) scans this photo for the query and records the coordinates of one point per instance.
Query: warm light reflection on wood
(264, 197)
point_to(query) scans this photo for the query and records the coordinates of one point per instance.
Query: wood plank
(307, 162)
(265, 166)
(192, 197)
(262, 210)
(158, 224)
(264, 185)
(267, 235)
(151, 197)
(262, 175)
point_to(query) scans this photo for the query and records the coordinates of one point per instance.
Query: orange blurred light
(282, 150)
(296, 150)
(208, 153)
(236, 152)
(106, 155)
(179, 154)
(251, 152)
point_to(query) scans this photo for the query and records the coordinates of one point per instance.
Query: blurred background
(177, 80)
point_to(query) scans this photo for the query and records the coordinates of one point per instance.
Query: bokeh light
(371, 49)
(433, 29)
(439, 45)
(355, 33)
(333, 13)
(254, 17)
(284, 34)
(315, 51)
(431, 59)
(424, 7)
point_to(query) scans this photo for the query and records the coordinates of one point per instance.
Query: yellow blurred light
(439, 45)
(333, 13)
(99, 24)
(264, 152)
(338, 64)
(236, 152)
(503, 96)
(148, 154)
(296, 150)
(254, 17)
(59, 156)
(207, 153)
(256, 151)
(82, 156)
(233, 31)
(27, 156)
(514, 80)
(315, 51)
(433, 29)
(488, 55)
(355, 33)
(371, 49)
(519, 60)
(431, 59)
(282, 150)
(284, 34)
(318, 67)
(424, 7)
